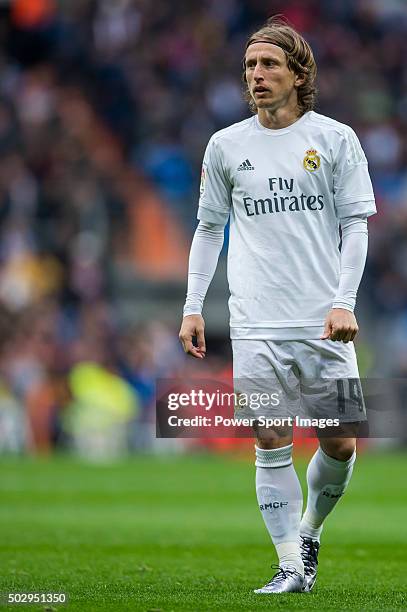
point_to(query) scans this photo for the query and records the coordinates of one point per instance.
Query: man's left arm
(340, 323)
(354, 202)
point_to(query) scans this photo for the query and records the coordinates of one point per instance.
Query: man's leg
(279, 494)
(259, 366)
(328, 475)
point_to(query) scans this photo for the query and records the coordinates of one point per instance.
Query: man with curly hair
(296, 188)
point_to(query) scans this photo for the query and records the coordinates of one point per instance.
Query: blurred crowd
(105, 111)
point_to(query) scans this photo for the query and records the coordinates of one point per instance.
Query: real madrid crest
(312, 161)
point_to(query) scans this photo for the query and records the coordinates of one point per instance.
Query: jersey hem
(281, 333)
(278, 324)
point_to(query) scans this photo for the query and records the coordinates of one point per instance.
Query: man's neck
(278, 119)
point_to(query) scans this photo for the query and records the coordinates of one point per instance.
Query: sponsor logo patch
(246, 165)
(203, 179)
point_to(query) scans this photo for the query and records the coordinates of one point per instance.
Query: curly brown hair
(300, 59)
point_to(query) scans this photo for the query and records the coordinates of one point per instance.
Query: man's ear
(299, 79)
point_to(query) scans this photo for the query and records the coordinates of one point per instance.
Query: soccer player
(287, 178)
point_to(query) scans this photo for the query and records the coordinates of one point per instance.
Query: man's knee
(276, 437)
(341, 449)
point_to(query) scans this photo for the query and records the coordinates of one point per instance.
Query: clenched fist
(340, 324)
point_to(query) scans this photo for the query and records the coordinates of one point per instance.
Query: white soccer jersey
(286, 191)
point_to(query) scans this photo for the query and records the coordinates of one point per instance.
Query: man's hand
(340, 324)
(193, 325)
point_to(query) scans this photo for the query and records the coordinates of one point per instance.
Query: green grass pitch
(184, 533)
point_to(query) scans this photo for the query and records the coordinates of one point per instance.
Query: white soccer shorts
(307, 378)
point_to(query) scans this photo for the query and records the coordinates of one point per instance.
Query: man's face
(270, 82)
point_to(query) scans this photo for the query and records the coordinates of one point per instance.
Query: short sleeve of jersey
(353, 191)
(215, 193)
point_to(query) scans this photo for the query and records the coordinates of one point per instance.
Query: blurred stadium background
(105, 111)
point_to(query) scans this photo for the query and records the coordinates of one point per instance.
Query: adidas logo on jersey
(246, 165)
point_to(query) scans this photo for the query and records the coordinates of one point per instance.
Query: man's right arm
(213, 213)
(205, 249)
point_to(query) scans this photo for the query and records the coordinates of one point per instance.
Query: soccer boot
(284, 581)
(309, 555)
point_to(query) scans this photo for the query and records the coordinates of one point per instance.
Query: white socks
(327, 479)
(280, 500)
